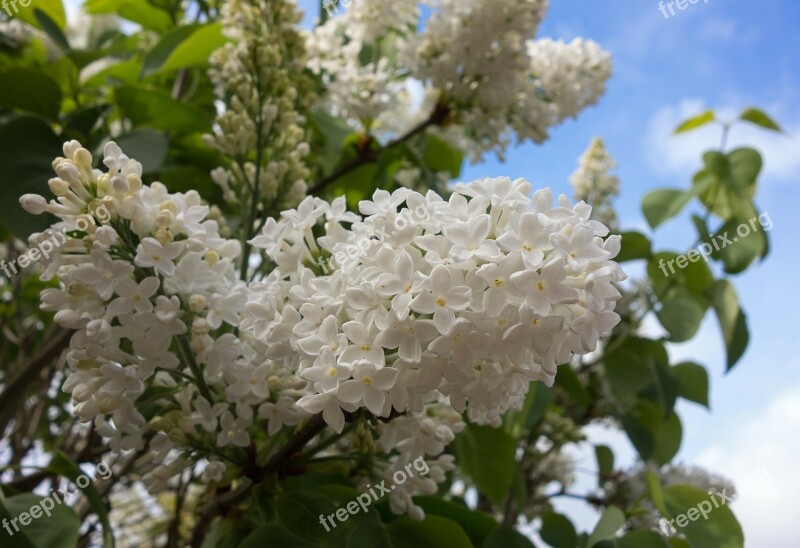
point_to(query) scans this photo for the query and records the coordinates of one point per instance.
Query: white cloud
(760, 456)
(670, 154)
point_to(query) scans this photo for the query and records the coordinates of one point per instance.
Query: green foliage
(610, 522)
(32, 90)
(487, 455)
(635, 245)
(692, 382)
(27, 147)
(64, 466)
(719, 529)
(558, 531)
(663, 204)
(732, 321)
(59, 530)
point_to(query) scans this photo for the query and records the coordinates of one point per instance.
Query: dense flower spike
(260, 75)
(594, 182)
(467, 299)
(478, 58)
(422, 308)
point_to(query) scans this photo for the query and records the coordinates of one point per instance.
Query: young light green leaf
(696, 122)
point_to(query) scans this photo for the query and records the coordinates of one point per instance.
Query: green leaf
(274, 536)
(567, 379)
(357, 185)
(487, 455)
(664, 390)
(153, 394)
(635, 245)
(610, 522)
(558, 531)
(745, 165)
(58, 530)
(123, 72)
(630, 368)
(662, 204)
(656, 438)
(53, 8)
(158, 110)
(31, 90)
(692, 382)
(27, 149)
(698, 277)
(476, 525)
(147, 146)
(681, 315)
(329, 134)
(696, 122)
(727, 184)
(760, 118)
(299, 512)
(542, 399)
(719, 528)
(641, 439)
(439, 155)
(676, 542)
(670, 274)
(63, 465)
(157, 56)
(636, 539)
(197, 48)
(747, 244)
(656, 493)
(732, 320)
(51, 28)
(507, 538)
(605, 462)
(432, 532)
(138, 11)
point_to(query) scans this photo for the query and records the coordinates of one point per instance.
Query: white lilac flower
(450, 310)
(434, 315)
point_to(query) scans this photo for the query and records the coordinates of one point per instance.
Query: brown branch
(438, 117)
(222, 502)
(16, 389)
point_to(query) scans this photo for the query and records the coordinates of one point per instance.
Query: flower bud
(33, 203)
(197, 303)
